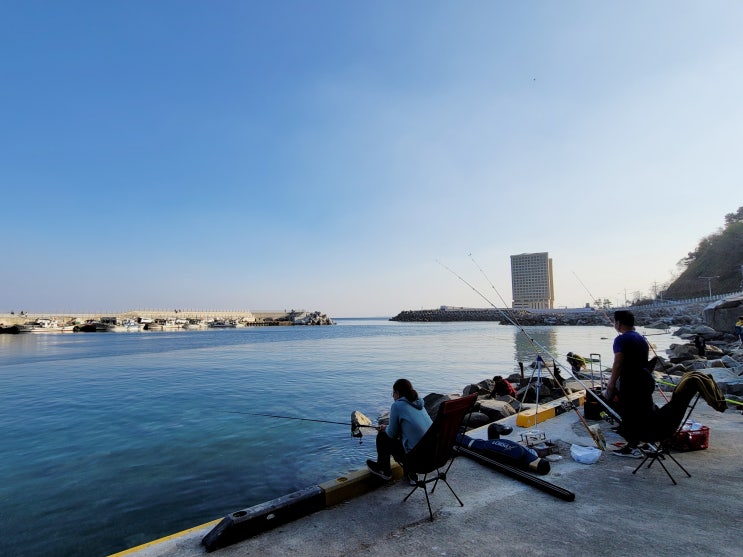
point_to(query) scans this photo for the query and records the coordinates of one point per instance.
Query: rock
(676, 370)
(695, 365)
(713, 352)
(681, 352)
(707, 332)
(731, 386)
(512, 402)
(482, 388)
(721, 315)
(729, 361)
(476, 419)
(432, 401)
(529, 393)
(496, 409)
(514, 379)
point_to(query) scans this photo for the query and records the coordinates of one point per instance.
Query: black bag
(592, 408)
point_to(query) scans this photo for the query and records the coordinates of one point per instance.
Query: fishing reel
(359, 420)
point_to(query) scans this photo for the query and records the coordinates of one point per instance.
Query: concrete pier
(615, 512)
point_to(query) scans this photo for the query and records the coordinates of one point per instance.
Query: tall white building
(531, 281)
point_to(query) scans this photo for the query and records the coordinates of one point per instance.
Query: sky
(359, 158)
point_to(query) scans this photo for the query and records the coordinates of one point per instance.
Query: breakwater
(661, 316)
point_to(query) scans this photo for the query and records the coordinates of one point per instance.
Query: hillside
(717, 262)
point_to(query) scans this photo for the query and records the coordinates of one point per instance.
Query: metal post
(709, 283)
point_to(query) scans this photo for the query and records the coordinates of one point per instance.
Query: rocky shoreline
(723, 361)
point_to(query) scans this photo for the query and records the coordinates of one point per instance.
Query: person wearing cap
(576, 361)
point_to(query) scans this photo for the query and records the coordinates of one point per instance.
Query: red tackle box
(691, 439)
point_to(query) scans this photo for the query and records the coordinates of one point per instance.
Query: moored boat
(223, 324)
(128, 326)
(91, 326)
(45, 326)
(164, 325)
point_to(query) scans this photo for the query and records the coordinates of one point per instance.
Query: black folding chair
(659, 450)
(434, 454)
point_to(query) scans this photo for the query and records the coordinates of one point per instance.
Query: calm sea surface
(111, 440)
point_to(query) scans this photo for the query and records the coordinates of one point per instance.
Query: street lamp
(709, 283)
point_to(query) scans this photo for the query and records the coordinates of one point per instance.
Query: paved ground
(614, 512)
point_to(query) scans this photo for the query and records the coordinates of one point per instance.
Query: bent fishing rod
(600, 443)
(538, 346)
(611, 323)
(535, 344)
(595, 301)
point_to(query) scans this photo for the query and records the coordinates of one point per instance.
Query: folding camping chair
(434, 453)
(660, 449)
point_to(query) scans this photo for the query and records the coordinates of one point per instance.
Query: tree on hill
(716, 263)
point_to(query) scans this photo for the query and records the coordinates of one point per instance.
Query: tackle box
(691, 437)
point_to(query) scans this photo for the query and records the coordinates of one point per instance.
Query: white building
(531, 281)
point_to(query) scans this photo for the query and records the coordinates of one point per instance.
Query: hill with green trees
(717, 262)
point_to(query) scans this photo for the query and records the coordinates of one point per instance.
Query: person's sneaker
(375, 469)
(412, 479)
(627, 451)
(651, 449)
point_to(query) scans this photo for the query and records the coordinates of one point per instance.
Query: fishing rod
(611, 323)
(592, 430)
(517, 474)
(358, 420)
(595, 301)
(535, 344)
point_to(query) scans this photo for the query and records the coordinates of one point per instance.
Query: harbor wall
(238, 315)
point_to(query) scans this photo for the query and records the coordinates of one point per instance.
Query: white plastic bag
(584, 455)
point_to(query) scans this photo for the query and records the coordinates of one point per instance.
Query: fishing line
(354, 423)
(595, 435)
(611, 324)
(595, 301)
(535, 344)
(288, 417)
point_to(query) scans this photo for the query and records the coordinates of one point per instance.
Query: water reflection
(543, 341)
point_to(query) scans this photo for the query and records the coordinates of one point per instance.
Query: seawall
(258, 317)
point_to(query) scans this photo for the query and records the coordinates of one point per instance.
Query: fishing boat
(91, 326)
(45, 326)
(223, 324)
(128, 326)
(169, 324)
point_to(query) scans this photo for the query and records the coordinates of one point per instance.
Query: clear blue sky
(325, 155)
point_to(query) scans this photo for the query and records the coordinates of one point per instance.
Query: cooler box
(688, 439)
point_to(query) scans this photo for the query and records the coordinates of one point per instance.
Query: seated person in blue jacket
(408, 422)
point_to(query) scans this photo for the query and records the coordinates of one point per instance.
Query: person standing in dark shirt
(630, 379)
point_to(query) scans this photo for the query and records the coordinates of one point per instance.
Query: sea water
(111, 440)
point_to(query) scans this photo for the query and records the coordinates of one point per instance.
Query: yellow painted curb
(530, 417)
(354, 484)
(182, 533)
